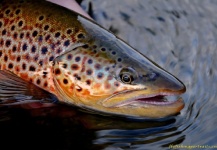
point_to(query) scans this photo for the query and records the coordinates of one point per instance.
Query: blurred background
(180, 36)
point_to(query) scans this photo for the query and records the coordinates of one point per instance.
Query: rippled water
(180, 36)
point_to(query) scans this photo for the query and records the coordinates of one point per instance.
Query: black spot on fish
(113, 53)
(33, 49)
(88, 82)
(90, 61)
(64, 65)
(15, 35)
(103, 49)
(161, 19)
(7, 12)
(20, 23)
(119, 59)
(47, 37)
(77, 59)
(8, 43)
(100, 75)
(81, 36)
(150, 31)
(57, 34)
(41, 18)
(57, 71)
(85, 46)
(10, 66)
(18, 58)
(4, 32)
(44, 50)
(69, 31)
(97, 66)
(35, 33)
(89, 72)
(74, 67)
(5, 58)
(38, 81)
(66, 43)
(51, 58)
(65, 81)
(24, 66)
(31, 68)
(12, 28)
(69, 56)
(24, 48)
(17, 11)
(46, 27)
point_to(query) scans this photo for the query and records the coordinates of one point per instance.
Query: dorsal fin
(15, 90)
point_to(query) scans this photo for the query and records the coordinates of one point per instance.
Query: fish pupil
(126, 78)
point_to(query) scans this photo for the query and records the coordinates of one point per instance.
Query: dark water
(180, 36)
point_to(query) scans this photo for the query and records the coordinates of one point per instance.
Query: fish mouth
(140, 98)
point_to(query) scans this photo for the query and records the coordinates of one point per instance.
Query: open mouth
(157, 100)
(160, 99)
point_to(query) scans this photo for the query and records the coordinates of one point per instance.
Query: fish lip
(131, 101)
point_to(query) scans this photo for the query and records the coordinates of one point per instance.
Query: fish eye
(127, 75)
(126, 78)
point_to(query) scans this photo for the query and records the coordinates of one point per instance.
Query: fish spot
(94, 46)
(97, 66)
(40, 63)
(24, 48)
(41, 18)
(107, 68)
(12, 28)
(110, 77)
(17, 11)
(24, 66)
(66, 43)
(33, 49)
(1, 24)
(35, 33)
(59, 51)
(40, 38)
(44, 50)
(74, 67)
(45, 84)
(88, 82)
(85, 46)
(0, 53)
(8, 43)
(103, 49)
(20, 23)
(21, 35)
(4, 32)
(38, 81)
(90, 61)
(116, 84)
(113, 53)
(47, 37)
(51, 58)
(100, 75)
(57, 34)
(57, 71)
(35, 58)
(7, 11)
(107, 86)
(76, 76)
(119, 59)
(2, 42)
(18, 58)
(80, 36)
(27, 35)
(69, 31)
(10, 66)
(69, 56)
(77, 59)
(46, 27)
(89, 71)
(65, 65)
(31, 68)
(15, 35)
(65, 81)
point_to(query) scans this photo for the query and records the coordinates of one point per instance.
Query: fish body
(81, 63)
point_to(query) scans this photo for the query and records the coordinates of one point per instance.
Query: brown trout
(79, 62)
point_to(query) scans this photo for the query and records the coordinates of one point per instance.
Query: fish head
(107, 75)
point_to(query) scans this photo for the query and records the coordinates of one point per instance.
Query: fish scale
(31, 38)
(80, 62)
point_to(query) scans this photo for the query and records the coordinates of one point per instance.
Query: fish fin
(15, 91)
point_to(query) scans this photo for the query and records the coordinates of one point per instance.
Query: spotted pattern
(34, 43)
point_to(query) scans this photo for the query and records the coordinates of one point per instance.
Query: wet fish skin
(80, 62)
